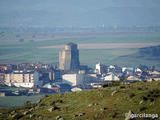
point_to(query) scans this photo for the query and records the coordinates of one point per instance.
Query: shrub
(131, 95)
(122, 87)
(151, 99)
(43, 104)
(104, 85)
(144, 98)
(28, 103)
(46, 95)
(139, 88)
(142, 108)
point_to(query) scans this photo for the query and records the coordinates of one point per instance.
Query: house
(138, 70)
(76, 89)
(100, 68)
(133, 78)
(128, 70)
(2, 94)
(111, 77)
(73, 79)
(96, 85)
(154, 79)
(23, 79)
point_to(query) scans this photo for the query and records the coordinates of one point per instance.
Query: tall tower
(69, 57)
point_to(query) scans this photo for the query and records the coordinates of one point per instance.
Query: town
(69, 75)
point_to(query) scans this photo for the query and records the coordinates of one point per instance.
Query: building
(55, 75)
(75, 89)
(73, 79)
(100, 68)
(69, 57)
(2, 94)
(111, 77)
(133, 78)
(22, 79)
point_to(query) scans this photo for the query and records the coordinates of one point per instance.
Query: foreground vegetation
(99, 104)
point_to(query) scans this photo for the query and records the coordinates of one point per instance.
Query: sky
(53, 13)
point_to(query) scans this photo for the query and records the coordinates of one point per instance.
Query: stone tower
(69, 57)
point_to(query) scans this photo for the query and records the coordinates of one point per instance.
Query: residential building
(133, 78)
(73, 79)
(111, 77)
(100, 68)
(23, 79)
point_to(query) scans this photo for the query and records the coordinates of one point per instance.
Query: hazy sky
(79, 12)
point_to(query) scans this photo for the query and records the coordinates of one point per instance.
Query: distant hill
(110, 103)
(153, 51)
(148, 56)
(50, 13)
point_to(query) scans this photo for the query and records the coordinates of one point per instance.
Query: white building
(111, 77)
(133, 78)
(100, 68)
(73, 79)
(22, 79)
(155, 73)
(76, 89)
(96, 85)
(138, 70)
(127, 69)
(111, 67)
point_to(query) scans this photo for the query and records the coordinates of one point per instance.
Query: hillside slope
(110, 103)
(148, 55)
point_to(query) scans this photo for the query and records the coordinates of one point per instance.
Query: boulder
(114, 92)
(81, 114)
(30, 109)
(58, 117)
(51, 109)
(26, 112)
(141, 102)
(89, 105)
(102, 109)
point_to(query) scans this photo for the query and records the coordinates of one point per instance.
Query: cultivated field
(107, 45)
(93, 48)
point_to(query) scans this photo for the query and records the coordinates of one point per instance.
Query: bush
(142, 109)
(43, 104)
(122, 87)
(131, 95)
(18, 116)
(139, 88)
(46, 95)
(144, 98)
(104, 85)
(28, 103)
(151, 99)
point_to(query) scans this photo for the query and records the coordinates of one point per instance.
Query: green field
(16, 52)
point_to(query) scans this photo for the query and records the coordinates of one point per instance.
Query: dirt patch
(107, 45)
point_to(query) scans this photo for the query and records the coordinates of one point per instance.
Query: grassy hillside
(110, 103)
